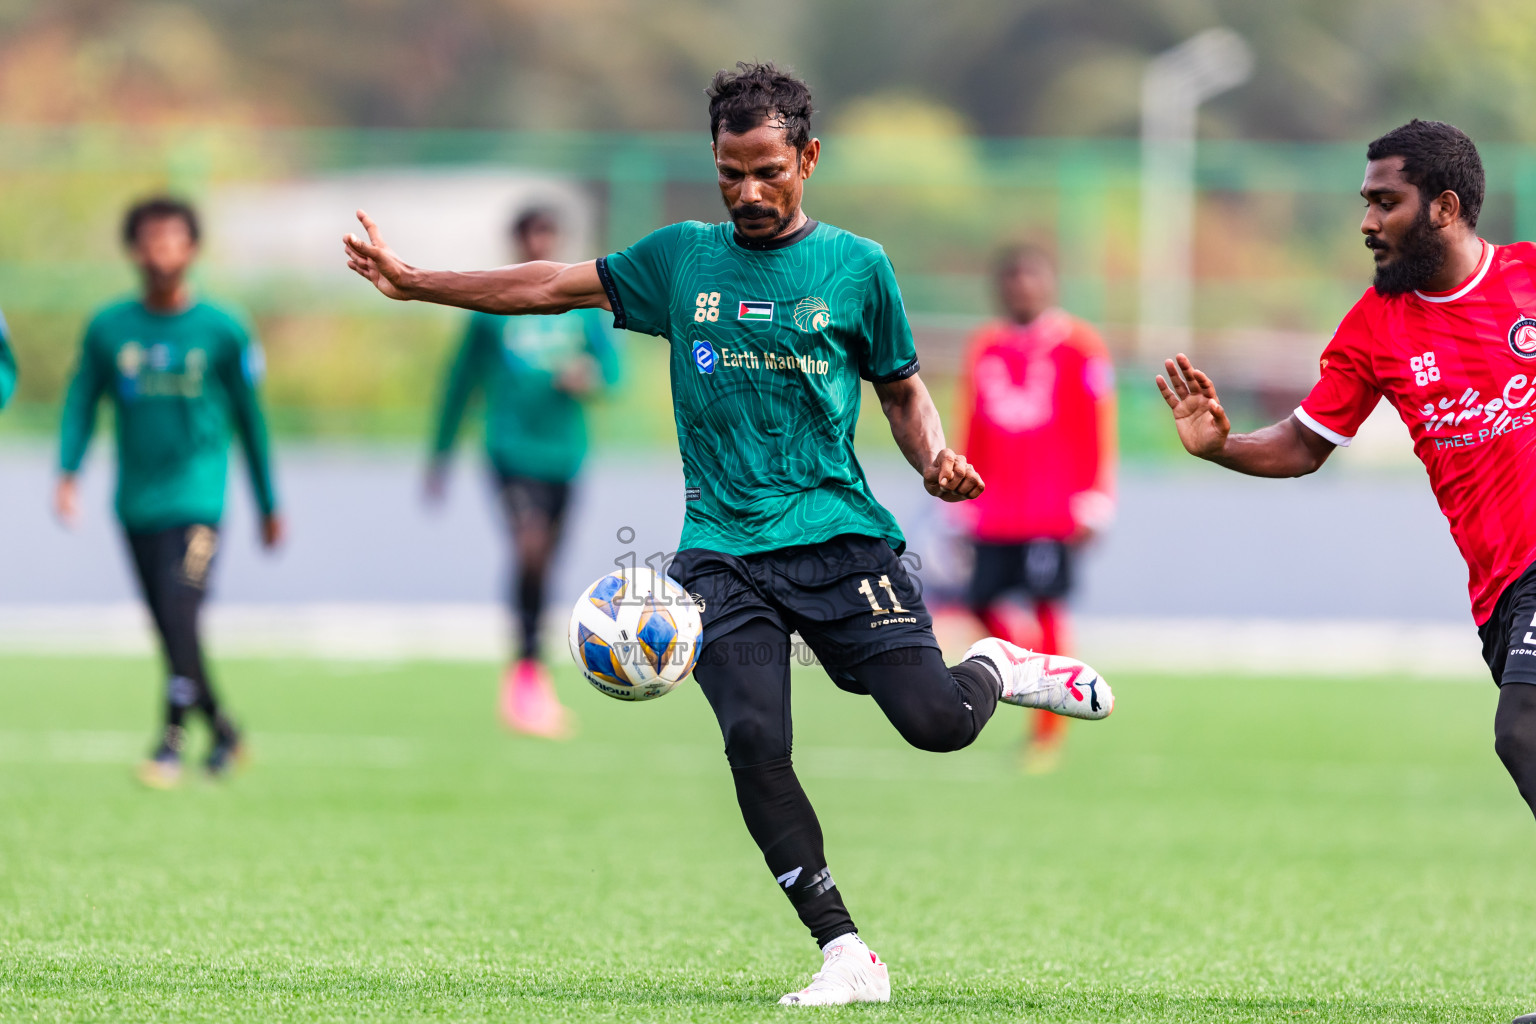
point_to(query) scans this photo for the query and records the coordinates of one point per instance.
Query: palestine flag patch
(755, 311)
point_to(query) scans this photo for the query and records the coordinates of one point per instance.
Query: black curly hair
(158, 208)
(1437, 157)
(757, 94)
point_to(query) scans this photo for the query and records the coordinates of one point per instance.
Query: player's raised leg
(1053, 682)
(745, 676)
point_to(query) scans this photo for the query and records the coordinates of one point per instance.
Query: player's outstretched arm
(540, 287)
(920, 436)
(1282, 449)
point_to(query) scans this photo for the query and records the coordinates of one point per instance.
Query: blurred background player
(1037, 408)
(7, 365)
(180, 373)
(534, 372)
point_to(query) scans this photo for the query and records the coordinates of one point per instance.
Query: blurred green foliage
(950, 129)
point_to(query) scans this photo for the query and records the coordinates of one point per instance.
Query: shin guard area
(780, 818)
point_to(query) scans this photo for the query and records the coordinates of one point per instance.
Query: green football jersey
(7, 365)
(532, 427)
(179, 383)
(769, 342)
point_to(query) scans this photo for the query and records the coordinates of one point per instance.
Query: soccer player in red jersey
(1447, 334)
(1037, 401)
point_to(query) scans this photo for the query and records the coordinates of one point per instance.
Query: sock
(976, 676)
(181, 693)
(845, 939)
(1514, 736)
(530, 601)
(780, 818)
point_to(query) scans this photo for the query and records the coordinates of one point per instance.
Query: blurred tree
(1327, 69)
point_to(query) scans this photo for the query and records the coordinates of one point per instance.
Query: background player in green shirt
(773, 318)
(534, 371)
(7, 365)
(180, 373)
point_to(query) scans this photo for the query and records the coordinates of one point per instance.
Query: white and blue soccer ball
(635, 634)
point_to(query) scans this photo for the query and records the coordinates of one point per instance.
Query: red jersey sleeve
(1098, 369)
(1347, 391)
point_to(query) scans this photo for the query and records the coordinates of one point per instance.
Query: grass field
(1220, 850)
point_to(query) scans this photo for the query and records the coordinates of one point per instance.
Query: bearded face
(1411, 261)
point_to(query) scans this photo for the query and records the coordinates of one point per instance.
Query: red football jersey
(1030, 395)
(1460, 368)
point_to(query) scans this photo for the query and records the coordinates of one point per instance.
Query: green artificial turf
(1220, 850)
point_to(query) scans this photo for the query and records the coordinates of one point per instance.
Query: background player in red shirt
(1447, 335)
(1037, 408)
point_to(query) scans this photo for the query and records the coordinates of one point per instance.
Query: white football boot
(851, 973)
(1065, 686)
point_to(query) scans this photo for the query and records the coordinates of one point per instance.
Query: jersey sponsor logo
(150, 373)
(813, 315)
(755, 311)
(706, 308)
(254, 363)
(704, 356)
(1500, 414)
(1424, 370)
(1522, 338)
(130, 359)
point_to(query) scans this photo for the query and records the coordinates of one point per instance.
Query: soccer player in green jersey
(181, 373)
(534, 371)
(7, 365)
(773, 318)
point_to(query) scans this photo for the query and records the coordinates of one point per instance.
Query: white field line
(122, 747)
(479, 632)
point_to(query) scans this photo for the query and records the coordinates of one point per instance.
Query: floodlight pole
(1174, 85)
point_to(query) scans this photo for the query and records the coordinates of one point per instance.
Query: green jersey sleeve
(7, 365)
(639, 281)
(890, 354)
(241, 370)
(465, 376)
(80, 402)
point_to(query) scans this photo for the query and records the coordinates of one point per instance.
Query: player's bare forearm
(1283, 449)
(919, 434)
(914, 420)
(520, 289)
(540, 287)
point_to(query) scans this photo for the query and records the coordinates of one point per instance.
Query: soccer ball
(635, 634)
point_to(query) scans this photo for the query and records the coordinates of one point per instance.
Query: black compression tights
(533, 539)
(745, 676)
(1514, 736)
(173, 566)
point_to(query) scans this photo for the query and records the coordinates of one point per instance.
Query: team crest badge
(1522, 338)
(813, 315)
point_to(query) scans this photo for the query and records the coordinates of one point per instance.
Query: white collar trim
(1477, 279)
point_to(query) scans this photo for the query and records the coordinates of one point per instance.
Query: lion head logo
(813, 315)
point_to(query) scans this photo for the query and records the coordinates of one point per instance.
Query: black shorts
(1041, 569)
(1509, 635)
(849, 598)
(526, 496)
